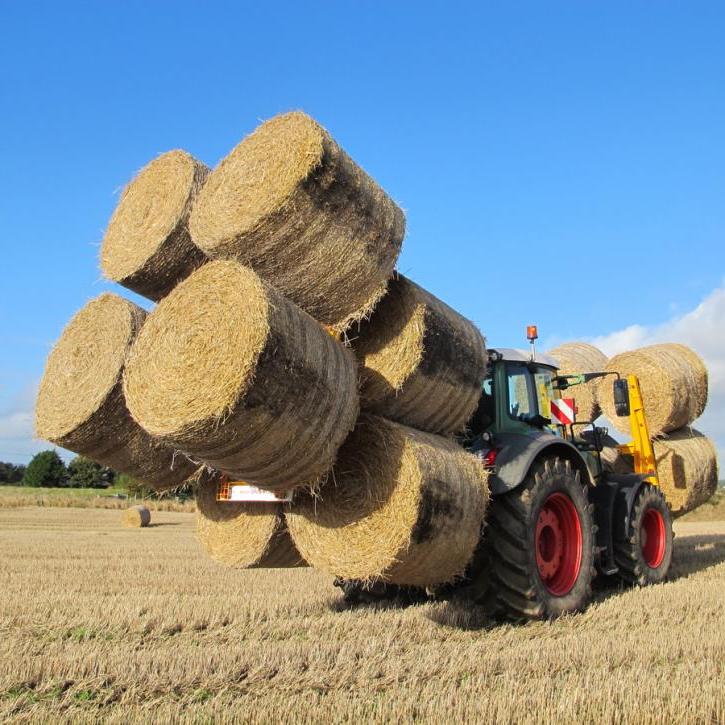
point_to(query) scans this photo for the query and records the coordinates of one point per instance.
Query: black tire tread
(626, 551)
(511, 590)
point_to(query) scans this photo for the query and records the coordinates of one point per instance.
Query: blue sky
(559, 163)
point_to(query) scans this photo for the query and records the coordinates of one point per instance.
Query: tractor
(557, 517)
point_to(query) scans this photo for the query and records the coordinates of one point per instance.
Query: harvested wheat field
(98, 621)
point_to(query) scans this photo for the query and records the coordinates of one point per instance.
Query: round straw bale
(289, 202)
(687, 469)
(673, 381)
(243, 535)
(81, 405)
(581, 357)
(136, 517)
(422, 363)
(147, 246)
(230, 371)
(402, 506)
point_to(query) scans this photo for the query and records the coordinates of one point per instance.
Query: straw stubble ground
(101, 621)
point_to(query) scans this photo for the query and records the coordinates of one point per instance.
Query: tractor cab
(522, 411)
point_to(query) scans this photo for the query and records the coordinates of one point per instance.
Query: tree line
(48, 469)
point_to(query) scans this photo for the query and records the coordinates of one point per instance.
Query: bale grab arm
(640, 447)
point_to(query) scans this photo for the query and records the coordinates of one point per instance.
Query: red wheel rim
(653, 538)
(559, 544)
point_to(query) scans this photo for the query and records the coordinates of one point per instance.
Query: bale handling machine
(558, 515)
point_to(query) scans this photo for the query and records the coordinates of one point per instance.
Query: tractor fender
(517, 452)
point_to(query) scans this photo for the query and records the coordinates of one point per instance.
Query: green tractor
(558, 516)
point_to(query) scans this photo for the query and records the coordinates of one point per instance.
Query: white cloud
(17, 441)
(702, 329)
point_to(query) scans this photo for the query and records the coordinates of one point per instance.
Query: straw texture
(289, 202)
(81, 405)
(147, 246)
(687, 469)
(136, 517)
(581, 357)
(236, 375)
(402, 506)
(422, 363)
(673, 381)
(243, 535)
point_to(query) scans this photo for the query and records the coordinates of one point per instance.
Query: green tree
(10, 473)
(46, 469)
(85, 473)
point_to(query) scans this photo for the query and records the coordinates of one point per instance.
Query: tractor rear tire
(644, 554)
(539, 546)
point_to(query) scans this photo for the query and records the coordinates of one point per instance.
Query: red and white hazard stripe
(563, 410)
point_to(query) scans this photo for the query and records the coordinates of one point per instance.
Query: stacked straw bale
(581, 357)
(243, 535)
(233, 373)
(673, 381)
(81, 405)
(289, 202)
(136, 517)
(147, 246)
(422, 363)
(687, 469)
(403, 506)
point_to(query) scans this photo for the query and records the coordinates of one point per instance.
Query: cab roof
(513, 355)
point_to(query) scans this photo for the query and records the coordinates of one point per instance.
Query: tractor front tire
(644, 553)
(539, 545)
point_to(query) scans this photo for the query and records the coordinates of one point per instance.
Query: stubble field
(97, 621)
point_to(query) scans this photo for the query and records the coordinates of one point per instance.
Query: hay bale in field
(673, 380)
(289, 202)
(581, 357)
(81, 405)
(422, 363)
(243, 535)
(687, 469)
(136, 517)
(147, 246)
(230, 371)
(402, 506)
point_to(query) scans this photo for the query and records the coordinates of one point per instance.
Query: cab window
(485, 413)
(544, 391)
(521, 397)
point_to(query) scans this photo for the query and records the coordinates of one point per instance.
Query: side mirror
(621, 397)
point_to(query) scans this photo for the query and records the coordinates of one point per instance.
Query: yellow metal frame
(640, 448)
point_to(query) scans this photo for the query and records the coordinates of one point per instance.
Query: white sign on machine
(246, 493)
